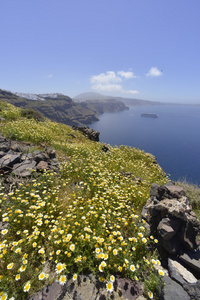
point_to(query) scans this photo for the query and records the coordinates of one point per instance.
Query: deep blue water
(173, 138)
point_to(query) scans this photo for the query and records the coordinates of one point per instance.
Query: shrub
(8, 111)
(30, 113)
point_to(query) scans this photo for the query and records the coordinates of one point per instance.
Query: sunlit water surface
(173, 138)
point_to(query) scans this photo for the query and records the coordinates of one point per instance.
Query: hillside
(101, 106)
(84, 219)
(57, 107)
(90, 96)
(93, 97)
(61, 108)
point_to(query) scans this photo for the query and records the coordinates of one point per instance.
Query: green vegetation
(9, 112)
(63, 109)
(84, 220)
(60, 109)
(30, 113)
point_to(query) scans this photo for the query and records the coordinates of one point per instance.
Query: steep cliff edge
(61, 108)
(57, 107)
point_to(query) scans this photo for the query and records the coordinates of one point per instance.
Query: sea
(173, 137)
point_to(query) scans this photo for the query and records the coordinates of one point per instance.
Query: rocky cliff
(61, 108)
(57, 107)
(101, 106)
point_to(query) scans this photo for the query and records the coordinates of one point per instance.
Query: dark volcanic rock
(159, 192)
(51, 153)
(193, 290)
(41, 156)
(105, 148)
(173, 291)
(89, 132)
(8, 160)
(172, 221)
(24, 169)
(48, 293)
(168, 191)
(168, 227)
(192, 259)
(15, 158)
(175, 191)
(171, 218)
(4, 146)
(88, 287)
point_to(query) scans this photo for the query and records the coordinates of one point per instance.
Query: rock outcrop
(57, 107)
(171, 218)
(90, 288)
(19, 159)
(92, 134)
(172, 221)
(61, 108)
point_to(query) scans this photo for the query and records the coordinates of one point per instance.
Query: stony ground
(89, 288)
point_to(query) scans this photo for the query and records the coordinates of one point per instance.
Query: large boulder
(193, 290)
(172, 221)
(179, 273)
(192, 260)
(173, 291)
(171, 218)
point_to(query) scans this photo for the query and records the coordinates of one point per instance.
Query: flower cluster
(85, 219)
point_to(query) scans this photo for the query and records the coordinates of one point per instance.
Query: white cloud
(49, 76)
(107, 77)
(154, 72)
(109, 82)
(126, 75)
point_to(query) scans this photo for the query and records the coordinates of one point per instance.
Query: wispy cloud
(112, 88)
(109, 82)
(154, 72)
(130, 91)
(49, 76)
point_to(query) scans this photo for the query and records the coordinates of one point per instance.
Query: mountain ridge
(92, 96)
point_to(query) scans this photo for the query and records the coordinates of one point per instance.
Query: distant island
(149, 115)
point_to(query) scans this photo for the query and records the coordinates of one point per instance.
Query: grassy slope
(87, 219)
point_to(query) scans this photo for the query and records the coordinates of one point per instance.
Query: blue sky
(145, 49)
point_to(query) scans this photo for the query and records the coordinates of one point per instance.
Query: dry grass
(193, 194)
